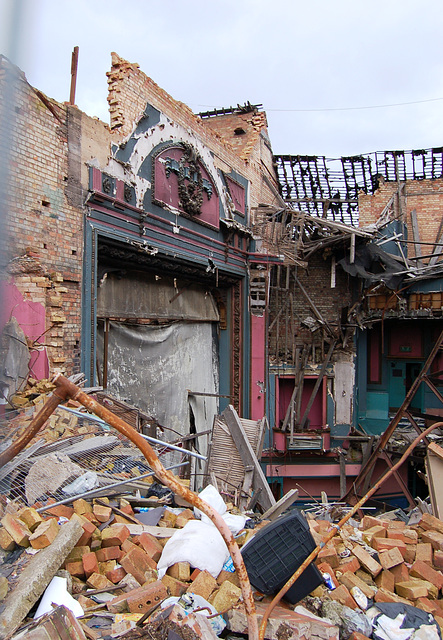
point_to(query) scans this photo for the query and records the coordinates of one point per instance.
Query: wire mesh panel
(73, 454)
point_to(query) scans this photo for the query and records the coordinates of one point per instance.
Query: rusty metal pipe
(166, 477)
(34, 427)
(338, 526)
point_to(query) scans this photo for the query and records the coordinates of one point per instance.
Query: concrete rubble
(115, 568)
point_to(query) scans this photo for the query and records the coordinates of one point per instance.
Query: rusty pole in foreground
(336, 527)
(69, 389)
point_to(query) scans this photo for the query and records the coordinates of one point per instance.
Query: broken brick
(151, 546)
(30, 517)
(175, 587)
(425, 572)
(137, 562)
(108, 553)
(203, 585)
(45, 534)
(98, 581)
(90, 564)
(145, 599)
(17, 529)
(226, 597)
(180, 571)
(115, 535)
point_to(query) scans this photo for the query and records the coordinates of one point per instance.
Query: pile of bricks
(388, 562)
(107, 556)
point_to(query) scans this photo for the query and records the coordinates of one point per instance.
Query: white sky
(304, 60)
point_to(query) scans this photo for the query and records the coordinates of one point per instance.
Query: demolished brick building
(130, 252)
(355, 316)
(176, 262)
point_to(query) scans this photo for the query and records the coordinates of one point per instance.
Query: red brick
(108, 553)
(366, 560)
(408, 536)
(400, 573)
(423, 571)
(434, 538)
(149, 596)
(369, 521)
(381, 544)
(115, 535)
(424, 552)
(151, 546)
(342, 595)
(116, 575)
(76, 569)
(349, 564)
(430, 522)
(45, 534)
(438, 559)
(102, 513)
(175, 587)
(17, 529)
(390, 558)
(385, 580)
(329, 555)
(137, 562)
(62, 511)
(90, 564)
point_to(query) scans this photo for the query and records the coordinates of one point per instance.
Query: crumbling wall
(44, 225)
(423, 196)
(297, 323)
(129, 92)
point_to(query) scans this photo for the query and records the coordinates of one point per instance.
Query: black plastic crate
(276, 552)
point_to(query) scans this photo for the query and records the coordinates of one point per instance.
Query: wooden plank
(434, 472)
(284, 503)
(436, 450)
(416, 236)
(317, 384)
(248, 456)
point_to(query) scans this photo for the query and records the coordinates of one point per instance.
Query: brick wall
(129, 91)
(41, 224)
(425, 196)
(316, 280)
(51, 146)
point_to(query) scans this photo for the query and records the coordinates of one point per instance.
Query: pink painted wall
(285, 387)
(31, 317)
(258, 369)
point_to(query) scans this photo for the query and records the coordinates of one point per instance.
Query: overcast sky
(313, 64)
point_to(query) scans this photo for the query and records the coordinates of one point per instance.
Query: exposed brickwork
(425, 196)
(129, 91)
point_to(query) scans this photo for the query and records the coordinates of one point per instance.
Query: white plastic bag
(214, 499)
(198, 543)
(57, 593)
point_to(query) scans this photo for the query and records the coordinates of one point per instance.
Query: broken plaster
(146, 142)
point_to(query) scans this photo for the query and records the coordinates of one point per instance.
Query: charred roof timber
(309, 183)
(226, 111)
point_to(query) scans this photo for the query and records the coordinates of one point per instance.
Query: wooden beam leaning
(248, 456)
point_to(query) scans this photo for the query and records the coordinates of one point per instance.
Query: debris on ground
(131, 562)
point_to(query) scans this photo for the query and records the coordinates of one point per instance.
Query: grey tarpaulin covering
(374, 265)
(152, 367)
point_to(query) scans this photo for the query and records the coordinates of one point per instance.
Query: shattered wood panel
(224, 460)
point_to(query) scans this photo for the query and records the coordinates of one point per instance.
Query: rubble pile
(116, 574)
